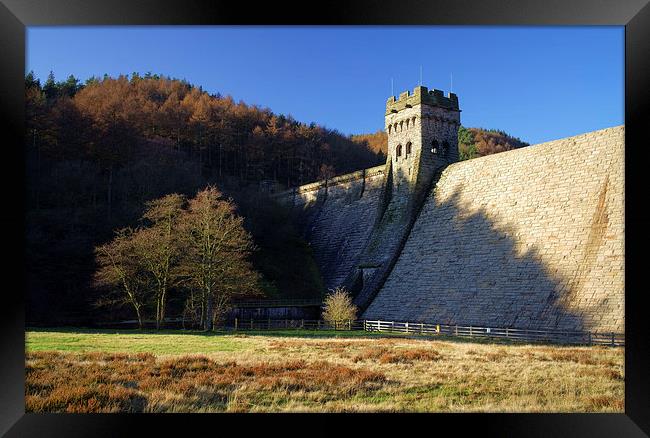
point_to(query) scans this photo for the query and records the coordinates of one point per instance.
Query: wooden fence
(306, 324)
(278, 303)
(426, 329)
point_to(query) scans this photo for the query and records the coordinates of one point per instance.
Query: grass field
(173, 371)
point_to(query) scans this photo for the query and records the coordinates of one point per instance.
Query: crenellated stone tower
(410, 238)
(422, 131)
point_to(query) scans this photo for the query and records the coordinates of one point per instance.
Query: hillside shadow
(461, 267)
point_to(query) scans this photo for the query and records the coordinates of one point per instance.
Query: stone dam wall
(530, 238)
(337, 216)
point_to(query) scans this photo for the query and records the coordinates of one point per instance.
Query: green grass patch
(168, 341)
(132, 341)
(174, 341)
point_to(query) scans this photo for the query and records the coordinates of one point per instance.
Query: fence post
(456, 330)
(302, 323)
(589, 338)
(365, 325)
(407, 327)
(392, 326)
(507, 332)
(318, 324)
(235, 323)
(251, 323)
(378, 325)
(470, 331)
(613, 341)
(421, 327)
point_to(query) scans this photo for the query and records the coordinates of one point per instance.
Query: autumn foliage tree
(121, 273)
(338, 308)
(97, 151)
(376, 142)
(197, 247)
(215, 261)
(160, 247)
(479, 142)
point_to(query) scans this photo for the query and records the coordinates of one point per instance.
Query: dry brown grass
(385, 355)
(606, 402)
(133, 383)
(272, 374)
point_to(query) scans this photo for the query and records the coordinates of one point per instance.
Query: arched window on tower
(399, 150)
(408, 149)
(435, 148)
(444, 150)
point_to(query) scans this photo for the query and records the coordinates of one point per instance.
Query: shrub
(338, 308)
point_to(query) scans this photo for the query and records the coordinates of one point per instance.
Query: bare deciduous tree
(120, 270)
(216, 257)
(159, 247)
(338, 308)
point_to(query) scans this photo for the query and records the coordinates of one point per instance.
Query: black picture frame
(15, 15)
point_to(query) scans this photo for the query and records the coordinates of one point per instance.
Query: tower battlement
(422, 95)
(422, 129)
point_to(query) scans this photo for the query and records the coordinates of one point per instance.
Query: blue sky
(536, 83)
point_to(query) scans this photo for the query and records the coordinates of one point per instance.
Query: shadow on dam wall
(460, 267)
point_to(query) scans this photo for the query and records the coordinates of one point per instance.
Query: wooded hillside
(96, 152)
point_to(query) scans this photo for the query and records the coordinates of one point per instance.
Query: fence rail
(306, 324)
(278, 303)
(427, 329)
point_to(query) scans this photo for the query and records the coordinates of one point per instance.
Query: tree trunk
(208, 314)
(38, 172)
(220, 148)
(137, 311)
(109, 191)
(97, 173)
(202, 314)
(162, 307)
(158, 314)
